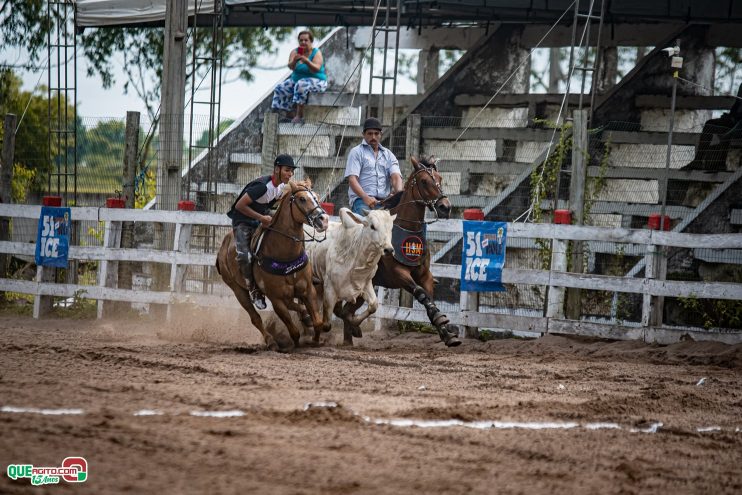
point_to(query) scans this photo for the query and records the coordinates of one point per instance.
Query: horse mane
(306, 183)
(429, 162)
(394, 200)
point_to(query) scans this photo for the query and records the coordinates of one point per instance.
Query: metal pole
(669, 150)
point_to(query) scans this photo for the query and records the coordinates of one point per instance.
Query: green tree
(32, 139)
(24, 25)
(203, 139)
(100, 155)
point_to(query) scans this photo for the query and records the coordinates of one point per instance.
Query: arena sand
(397, 413)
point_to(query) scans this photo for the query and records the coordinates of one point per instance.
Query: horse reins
(430, 203)
(307, 215)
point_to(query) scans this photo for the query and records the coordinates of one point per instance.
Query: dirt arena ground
(602, 400)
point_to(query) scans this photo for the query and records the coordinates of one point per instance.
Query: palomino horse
(281, 270)
(412, 273)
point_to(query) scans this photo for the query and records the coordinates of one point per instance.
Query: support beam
(172, 104)
(577, 202)
(427, 69)
(6, 181)
(270, 143)
(131, 148)
(108, 271)
(171, 128)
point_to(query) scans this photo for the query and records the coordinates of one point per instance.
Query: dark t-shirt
(263, 194)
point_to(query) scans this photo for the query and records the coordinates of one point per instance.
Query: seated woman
(309, 77)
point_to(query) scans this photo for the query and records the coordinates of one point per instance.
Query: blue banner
(483, 256)
(53, 238)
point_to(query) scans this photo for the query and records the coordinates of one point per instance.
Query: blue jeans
(358, 206)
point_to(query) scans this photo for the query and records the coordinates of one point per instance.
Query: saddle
(256, 240)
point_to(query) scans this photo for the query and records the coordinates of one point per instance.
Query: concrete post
(412, 147)
(427, 69)
(171, 130)
(270, 143)
(131, 148)
(577, 202)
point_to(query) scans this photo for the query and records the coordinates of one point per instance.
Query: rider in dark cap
(372, 123)
(371, 170)
(251, 209)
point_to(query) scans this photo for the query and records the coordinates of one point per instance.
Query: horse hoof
(347, 342)
(356, 332)
(326, 327)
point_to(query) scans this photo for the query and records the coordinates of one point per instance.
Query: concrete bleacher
(487, 156)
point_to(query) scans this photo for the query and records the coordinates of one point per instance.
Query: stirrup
(258, 299)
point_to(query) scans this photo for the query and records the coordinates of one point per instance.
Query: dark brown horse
(422, 190)
(281, 269)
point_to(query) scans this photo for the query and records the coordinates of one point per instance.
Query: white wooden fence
(179, 258)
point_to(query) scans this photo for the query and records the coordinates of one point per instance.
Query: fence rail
(180, 257)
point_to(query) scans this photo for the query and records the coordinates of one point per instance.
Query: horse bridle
(430, 203)
(311, 216)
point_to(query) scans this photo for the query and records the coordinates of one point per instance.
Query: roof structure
(415, 13)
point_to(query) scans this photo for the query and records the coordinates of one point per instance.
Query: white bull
(347, 260)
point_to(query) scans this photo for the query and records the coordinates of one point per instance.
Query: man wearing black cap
(371, 169)
(250, 209)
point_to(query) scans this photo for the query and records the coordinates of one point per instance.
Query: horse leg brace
(434, 314)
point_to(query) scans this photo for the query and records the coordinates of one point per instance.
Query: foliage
(22, 180)
(142, 51)
(544, 182)
(415, 326)
(728, 74)
(32, 139)
(100, 155)
(544, 177)
(594, 185)
(98, 233)
(79, 308)
(146, 192)
(713, 313)
(407, 62)
(203, 139)
(25, 25)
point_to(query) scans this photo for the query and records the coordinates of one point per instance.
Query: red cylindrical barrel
(51, 201)
(563, 217)
(186, 205)
(115, 203)
(473, 214)
(655, 221)
(329, 208)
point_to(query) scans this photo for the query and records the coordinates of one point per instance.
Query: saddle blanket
(409, 246)
(276, 267)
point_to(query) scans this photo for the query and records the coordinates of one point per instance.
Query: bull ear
(349, 218)
(394, 217)
(346, 218)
